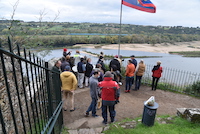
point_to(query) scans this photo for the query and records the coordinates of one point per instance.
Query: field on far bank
(158, 48)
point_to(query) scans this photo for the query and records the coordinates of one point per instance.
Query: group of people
(134, 70)
(103, 84)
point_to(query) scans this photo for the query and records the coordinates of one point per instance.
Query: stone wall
(5, 105)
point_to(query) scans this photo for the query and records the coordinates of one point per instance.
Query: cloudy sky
(168, 13)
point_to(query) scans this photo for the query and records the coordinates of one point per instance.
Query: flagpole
(120, 27)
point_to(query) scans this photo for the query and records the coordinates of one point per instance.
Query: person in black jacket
(64, 63)
(115, 62)
(89, 68)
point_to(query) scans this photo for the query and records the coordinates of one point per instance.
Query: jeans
(111, 111)
(154, 85)
(138, 82)
(129, 82)
(92, 107)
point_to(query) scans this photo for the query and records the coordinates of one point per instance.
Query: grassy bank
(187, 53)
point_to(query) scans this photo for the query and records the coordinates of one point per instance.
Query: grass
(187, 53)
(175, 126)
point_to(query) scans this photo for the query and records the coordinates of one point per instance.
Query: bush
(194, 88)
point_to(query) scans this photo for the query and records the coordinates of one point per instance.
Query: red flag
(143, 5)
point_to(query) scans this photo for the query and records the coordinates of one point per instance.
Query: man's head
(67, 68)
(82, 59)
(96, 73)
(132, 56)
(108, 74)
(58, 63)
(158, 62)
(129, 62)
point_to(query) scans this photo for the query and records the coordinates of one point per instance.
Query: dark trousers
(105, 113)
(138, 82)
(155, 83)
(92, 107)
(129, 82)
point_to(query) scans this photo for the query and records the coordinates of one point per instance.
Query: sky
(168, 12)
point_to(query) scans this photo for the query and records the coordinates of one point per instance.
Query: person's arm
(74, 83)
(83, 67)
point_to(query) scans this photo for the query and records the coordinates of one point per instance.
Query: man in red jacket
(110, 96)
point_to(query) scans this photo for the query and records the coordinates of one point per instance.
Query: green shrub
(194, 88)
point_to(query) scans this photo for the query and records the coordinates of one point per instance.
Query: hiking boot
(72, 110)
(105, 123)
(87, 114)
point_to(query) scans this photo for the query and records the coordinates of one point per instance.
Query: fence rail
(174, 79)
(29, 101)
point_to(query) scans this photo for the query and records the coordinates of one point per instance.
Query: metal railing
(174, 80)
(30, 98)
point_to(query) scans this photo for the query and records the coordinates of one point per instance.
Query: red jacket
(157, 73)
(109, 89)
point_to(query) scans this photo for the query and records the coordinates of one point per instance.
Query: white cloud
(169, 12)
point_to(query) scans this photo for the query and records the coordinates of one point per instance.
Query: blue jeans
(92, 107)
(111, 111)
(138, 82)
(129, 82)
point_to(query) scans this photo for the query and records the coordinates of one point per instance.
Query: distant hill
(69, 33)
(63, 28)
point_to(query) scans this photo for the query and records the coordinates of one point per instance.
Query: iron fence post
(50, 106)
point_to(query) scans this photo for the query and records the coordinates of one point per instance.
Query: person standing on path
(64, 63)
(157, 71)
(69, 85)
(110, 93)
(89, 68)
(130, 69)
(133, 60)
(56, 79)
(81, 72)
(140, 69)
(94, 93)
(115, 62)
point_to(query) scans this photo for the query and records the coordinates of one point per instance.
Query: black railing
(174, 80)
(30, 101)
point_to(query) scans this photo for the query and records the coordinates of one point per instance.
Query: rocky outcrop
(191, 114)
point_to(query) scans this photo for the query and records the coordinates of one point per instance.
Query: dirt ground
(131, 105)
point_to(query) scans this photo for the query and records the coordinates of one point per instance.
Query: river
(178, 62)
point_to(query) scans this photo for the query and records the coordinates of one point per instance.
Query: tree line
(58, 33)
